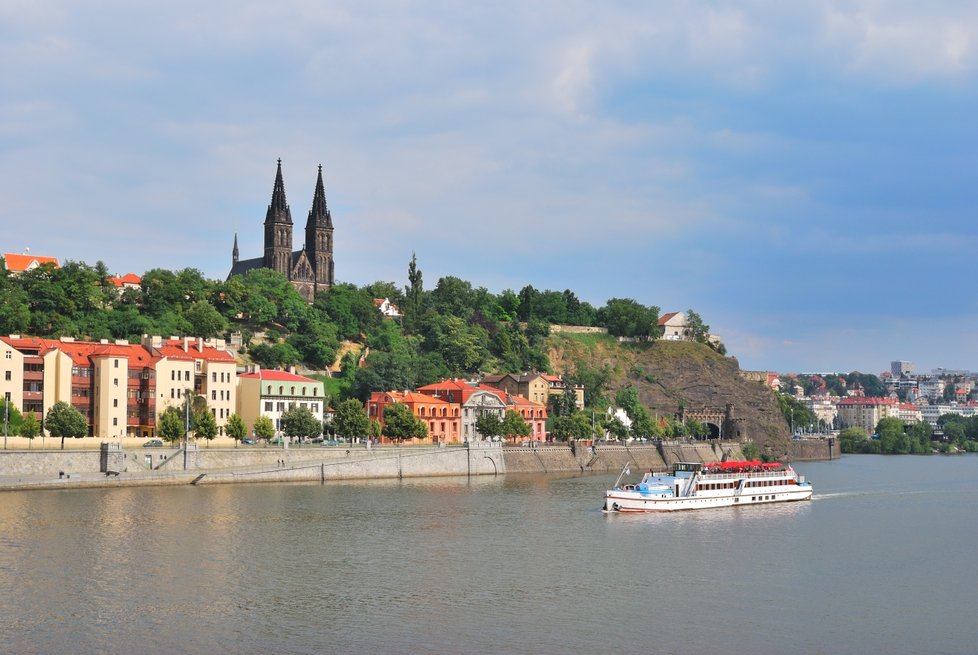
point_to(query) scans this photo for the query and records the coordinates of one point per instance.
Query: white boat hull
(618, 500)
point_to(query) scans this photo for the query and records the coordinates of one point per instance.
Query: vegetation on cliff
(451, 330)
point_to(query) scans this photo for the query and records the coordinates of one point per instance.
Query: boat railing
(748, 474)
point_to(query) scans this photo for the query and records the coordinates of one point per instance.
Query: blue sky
(801, 174)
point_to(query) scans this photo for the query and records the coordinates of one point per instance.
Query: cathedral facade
(310, 269)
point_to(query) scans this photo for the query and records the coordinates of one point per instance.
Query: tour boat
(693, 485)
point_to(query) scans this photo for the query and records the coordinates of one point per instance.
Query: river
(881, 561)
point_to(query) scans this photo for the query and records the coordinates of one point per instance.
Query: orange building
(533, 413)
(442, 418)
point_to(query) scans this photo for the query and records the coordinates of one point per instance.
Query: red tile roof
(276, 376)
(83, 352)
(128, 278)
(20, 263)
(666, 317)
(174, 349)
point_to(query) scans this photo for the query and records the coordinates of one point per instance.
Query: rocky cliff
(673, 374)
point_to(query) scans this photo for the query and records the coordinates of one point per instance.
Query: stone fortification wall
(577, 329)
(815, 449)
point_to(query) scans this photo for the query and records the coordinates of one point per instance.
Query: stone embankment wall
(610, 458)
(815, 449)
(113, 466)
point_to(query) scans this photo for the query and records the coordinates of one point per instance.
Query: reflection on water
(517, 564)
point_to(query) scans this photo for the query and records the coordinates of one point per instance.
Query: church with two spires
(310, 269)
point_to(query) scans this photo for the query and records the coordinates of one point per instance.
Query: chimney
(186, 344)
(200, 344)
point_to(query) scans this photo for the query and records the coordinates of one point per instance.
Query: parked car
(153, 443)
(248, 441)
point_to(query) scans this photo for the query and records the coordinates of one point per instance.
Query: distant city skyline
(801, 175)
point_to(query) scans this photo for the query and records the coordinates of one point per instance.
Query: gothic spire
(278, 209)
(234, 251)
(319, 215)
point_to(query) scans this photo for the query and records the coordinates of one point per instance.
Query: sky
(802, 175)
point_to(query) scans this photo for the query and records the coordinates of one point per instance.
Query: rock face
(673, 374)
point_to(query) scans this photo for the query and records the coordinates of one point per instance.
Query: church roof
(242, 266)
(278, 209)
(319, 215)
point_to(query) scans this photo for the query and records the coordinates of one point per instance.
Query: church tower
(278, 229)
(319, 237)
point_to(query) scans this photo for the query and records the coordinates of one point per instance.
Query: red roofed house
(865, 412)
(127, 281)
(119, 387)
(111, 383)
(475, 399)
(536, 387)
(199, 366)
(387, 308)
(266, 392)
(442, 418)
(19, 263)
(674, 326)
(535, 414)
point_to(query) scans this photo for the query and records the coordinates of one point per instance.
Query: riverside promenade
(113, 465)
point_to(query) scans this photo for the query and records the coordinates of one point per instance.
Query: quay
(112, 465)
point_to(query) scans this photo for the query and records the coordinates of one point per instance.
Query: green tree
(375, 430)
(853, 440)
(264, 428)
(698, 330)
(614, 428)
(574, 426)
(205, 425)
(63, 420)
(30, 427)
(489, 426)
(235, 428)
(12, 416)
(171, 427)
(400, 423)
(515, 426)
(627, 399)
(625, 317)
(413, 293)
(299, 422)
(350, 419)
(205, 320)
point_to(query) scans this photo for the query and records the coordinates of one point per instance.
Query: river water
(881, 561)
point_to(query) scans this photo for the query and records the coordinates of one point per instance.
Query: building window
(115, 363)
(214, 376)
(6, 375)
(303, 391)
(115, 402)
(269, 389)
(280, 407)
(292, 392)
(186, 376)
(173, 375)
(281, 390)
(115, 421)
(268, 406)
(315, 407)
(9, 354)
(115, 382)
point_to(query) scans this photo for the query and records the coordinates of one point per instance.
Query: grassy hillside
(670, 373)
